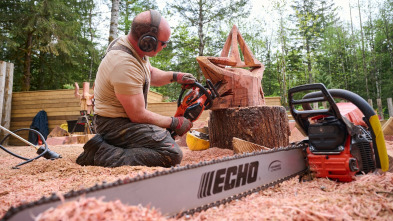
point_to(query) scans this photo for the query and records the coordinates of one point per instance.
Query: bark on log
(264, 125)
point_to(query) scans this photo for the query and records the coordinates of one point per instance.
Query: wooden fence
(61, 106)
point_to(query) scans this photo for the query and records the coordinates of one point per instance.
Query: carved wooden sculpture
(240, 80)
(240, 110)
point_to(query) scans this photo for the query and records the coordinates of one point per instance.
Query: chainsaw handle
(349, 96)
(321, 95)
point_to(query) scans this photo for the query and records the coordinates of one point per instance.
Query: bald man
(128, 133)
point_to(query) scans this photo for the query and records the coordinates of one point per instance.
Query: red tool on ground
(345, 139)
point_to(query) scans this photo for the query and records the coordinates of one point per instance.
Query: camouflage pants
(120, 142)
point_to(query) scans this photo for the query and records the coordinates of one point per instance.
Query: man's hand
(183, 78)
(180, 125)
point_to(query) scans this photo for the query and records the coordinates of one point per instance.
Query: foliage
(303, 42)
(48, 42)
(204, 18)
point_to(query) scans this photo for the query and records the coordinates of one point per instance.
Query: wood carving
(86, 98)
(240, 80)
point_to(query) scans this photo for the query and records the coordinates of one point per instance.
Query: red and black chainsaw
(345, 138)
(196, 100)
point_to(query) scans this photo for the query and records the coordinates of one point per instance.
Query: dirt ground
(370, 197)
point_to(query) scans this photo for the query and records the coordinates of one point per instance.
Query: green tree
(205, 16)
(309, 22)
(48, 41)
(129, 9)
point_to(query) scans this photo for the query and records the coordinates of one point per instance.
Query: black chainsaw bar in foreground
(189, 189)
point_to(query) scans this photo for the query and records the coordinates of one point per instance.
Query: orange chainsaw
(196, 100)
(345, 139)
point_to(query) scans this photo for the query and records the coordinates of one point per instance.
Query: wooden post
(315, 106)
(390, 107)
(6, 81)
(370, 102)
(3, 69)
(324, 105)
(380, 112)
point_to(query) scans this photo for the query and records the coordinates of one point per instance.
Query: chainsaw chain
(54, 197)
(235, 197)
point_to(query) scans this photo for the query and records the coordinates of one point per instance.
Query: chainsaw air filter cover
(328, 135)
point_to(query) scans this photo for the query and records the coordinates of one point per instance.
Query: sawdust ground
(370, 197)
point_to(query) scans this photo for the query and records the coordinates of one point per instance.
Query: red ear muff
(148, 42)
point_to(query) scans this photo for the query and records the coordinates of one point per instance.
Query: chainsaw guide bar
(184, 190)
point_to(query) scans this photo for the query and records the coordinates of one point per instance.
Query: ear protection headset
(148, 42)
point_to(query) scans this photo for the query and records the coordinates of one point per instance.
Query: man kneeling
(128, 133)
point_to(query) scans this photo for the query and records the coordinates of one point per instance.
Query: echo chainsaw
(196, 100)
(339, 146)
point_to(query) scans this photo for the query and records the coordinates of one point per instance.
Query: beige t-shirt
(120, 73)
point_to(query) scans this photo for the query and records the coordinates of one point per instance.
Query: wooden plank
(154, 97)
(242, 146)
(387, 128)
(50, 114)
(48, 110)
(58, 101)
(61, 92)
(53, 106)
(273, 101)
(61, 117)
(22, 124)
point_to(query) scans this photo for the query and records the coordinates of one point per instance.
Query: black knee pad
(86, 158)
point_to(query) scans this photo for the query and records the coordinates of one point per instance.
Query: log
(263, 125)
(241, 146)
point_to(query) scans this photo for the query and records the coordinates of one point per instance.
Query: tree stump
(264, 125)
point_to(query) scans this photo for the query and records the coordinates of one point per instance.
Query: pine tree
(309, 25)
(206, 16)
(47, 42)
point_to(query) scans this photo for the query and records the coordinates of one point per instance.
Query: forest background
(54, 43)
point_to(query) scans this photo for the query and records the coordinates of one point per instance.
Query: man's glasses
(163, 43)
